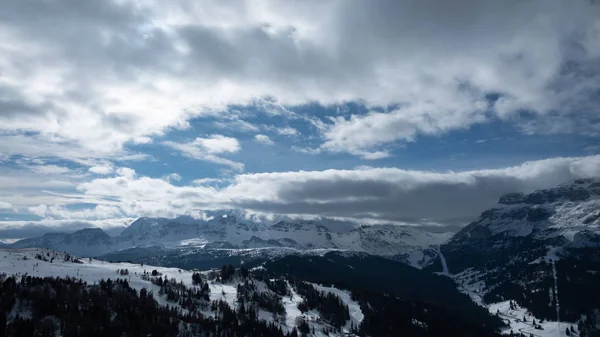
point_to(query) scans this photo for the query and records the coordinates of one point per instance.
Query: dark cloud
(415, 197)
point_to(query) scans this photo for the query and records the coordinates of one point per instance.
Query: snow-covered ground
(291, 308)
(514, 318)
(23, 262)
(443, 262)
(225, 292)
(356, 314)
(470, 283)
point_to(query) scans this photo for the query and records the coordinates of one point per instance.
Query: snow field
(514, 318)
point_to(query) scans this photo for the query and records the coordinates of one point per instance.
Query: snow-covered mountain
(571, 211)
(231, 230)
(528, 248)
(88, 242)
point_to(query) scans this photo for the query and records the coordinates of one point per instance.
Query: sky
(409, 112)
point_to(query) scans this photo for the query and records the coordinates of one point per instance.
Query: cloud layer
(102, 75)
(385, 195)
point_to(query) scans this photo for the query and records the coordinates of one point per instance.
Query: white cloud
(263, 139)
(102, 169)
(206, 148)
(126, 172)
(360, 134)
(287, 131)
(5, 205)
(173, 177)
(58, 212)
(204, 181)
(306, 150)
(237, 125)
(49, 169)
(122, 80)
(218, 144)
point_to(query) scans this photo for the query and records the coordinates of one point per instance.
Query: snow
(91, 271)
(225, 292)
(443, 261)
(291, 308)
(12, 262)
(356, 314)
(469, 283)
(556, 291)
(567, 219)
(388, 240)
(195, 242)
(514, 318)
(415, 258)
(9, 241)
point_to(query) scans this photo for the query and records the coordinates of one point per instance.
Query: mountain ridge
(528, 247)
(232, 231)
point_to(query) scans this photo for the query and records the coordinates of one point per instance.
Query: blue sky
(405, 112)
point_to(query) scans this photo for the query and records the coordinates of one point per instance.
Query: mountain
(87, 242)
(540, 250)
(47, 293)
(232, 231)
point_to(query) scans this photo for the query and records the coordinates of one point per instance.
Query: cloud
(390, 194)
(360, 134)
(205, 149)
(263, 139)
(204, 181)
(5, 205)
(98, 212)
(36, 146)
(49, 169)
(365, 195)
(126, 172)
(135, 70)
(218, 144)
(306, 150)
(101, 169)
(25, 229)
(173, 177)
(287, 131)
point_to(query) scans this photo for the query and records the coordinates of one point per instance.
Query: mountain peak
(577, 190)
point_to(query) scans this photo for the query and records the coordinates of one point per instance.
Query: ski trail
(443, 261)
(556, 297)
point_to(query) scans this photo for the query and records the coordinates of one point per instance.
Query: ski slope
(356, 314)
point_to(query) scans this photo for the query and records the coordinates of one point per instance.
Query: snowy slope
(521, 320)
(21, 262)
(356, 314)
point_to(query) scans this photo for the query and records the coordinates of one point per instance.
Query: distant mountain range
(232, 231)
